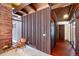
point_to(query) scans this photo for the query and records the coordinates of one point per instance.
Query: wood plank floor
(63, 48)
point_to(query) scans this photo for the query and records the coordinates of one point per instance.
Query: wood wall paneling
(29, 29)
(48, 31)
(23, 26)
(77, 35)
(5, 26)
(38, 29)
(77, 30)
(34, 29)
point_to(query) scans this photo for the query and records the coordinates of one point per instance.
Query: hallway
(63, 48)
(39, 25)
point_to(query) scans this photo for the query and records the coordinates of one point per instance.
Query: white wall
(67, 32)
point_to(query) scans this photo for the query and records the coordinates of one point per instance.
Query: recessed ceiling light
(66, 16)
(16, 4)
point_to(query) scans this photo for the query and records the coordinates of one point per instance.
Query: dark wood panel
(34, 29)
(30, 29)
(38, 29)
(48, 31)
(23, 26)
(41, 29)
(45, 29)
(77, 35)
(77, 31)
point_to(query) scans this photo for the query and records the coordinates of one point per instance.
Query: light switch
(44, 34)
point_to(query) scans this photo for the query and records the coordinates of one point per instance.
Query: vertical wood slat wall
(77, 35)
(36, 25)
(77, 30)
(5, 26)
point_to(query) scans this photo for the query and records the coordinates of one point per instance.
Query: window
(16, 31)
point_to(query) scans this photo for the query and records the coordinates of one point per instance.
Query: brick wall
(5, 26)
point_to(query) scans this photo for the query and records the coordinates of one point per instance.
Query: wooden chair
(21, 43)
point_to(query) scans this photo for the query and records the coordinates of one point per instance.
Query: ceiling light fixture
(66, 16)
(14, 5)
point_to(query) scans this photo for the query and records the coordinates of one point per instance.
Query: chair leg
(15, 49)
(24, 48)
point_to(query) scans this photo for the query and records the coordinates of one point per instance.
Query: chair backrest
(23, 40)
(21, 43)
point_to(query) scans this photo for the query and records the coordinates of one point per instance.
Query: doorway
(61, 32)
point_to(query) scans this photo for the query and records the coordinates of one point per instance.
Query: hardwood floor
(63, 48)
(77, 54)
